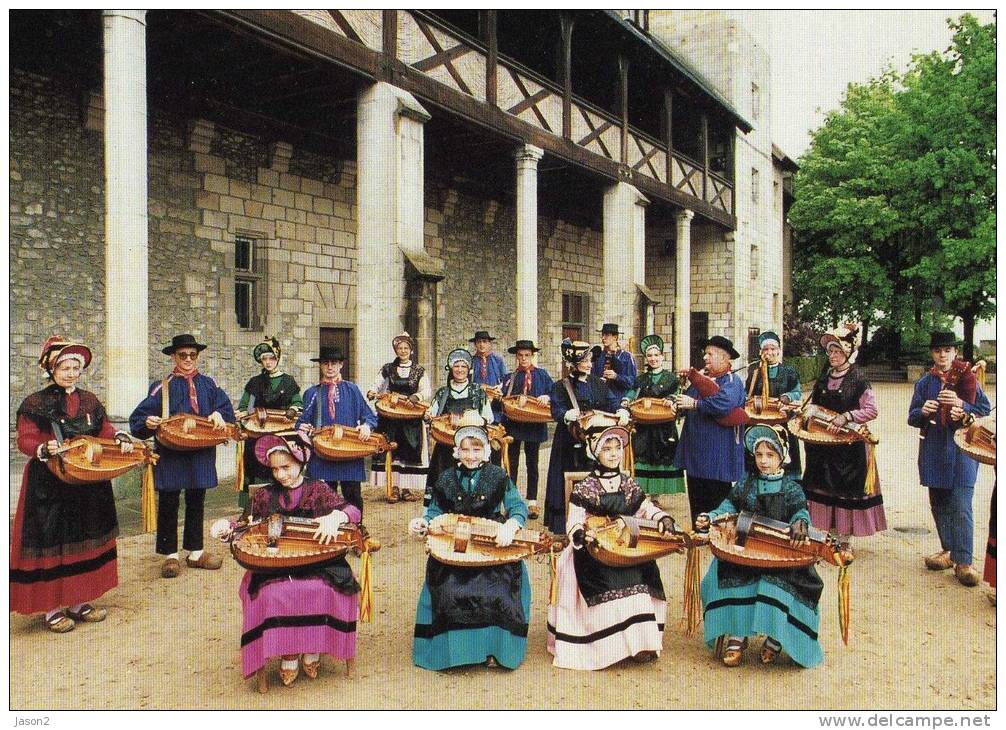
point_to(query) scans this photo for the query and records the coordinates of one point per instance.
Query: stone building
(338, 176)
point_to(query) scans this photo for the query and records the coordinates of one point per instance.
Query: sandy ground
(919, 639)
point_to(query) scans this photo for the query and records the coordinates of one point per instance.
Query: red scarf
(483, 366)
(528, 372)
(717, 373)
(190, 377)
(333, 394)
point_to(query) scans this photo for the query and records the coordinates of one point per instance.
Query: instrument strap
(164, 398)
(513, 377)
(744, 523)
(632, 525)
(570, 392)
(251, 402)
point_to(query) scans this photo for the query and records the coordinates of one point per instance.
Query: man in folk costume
(843, 490)
(192, 472)
(710, 451)
(784, 384)
(579, 391)
(613, 364)
(488, 368)
(943, 468)
(336, 401)
(272, 389)
(534, 382)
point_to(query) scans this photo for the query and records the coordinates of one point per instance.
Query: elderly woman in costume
(473, 615)
(710, 450)
(459, 395)
(612, 364)
(405, 376)
(783, 383)
(307, 612)
(335, 401)
(272, 389)
(654, 445)
(782, 604)
(192, 472)
(62, 553)
(944, 469)
(604, 614)
(577, 392)
(534, 382)
(835, 477)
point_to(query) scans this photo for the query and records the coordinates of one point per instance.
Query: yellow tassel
(553, 588)
(239, 468)
(148, 501)
(692, 605)
(504, 457)
(844, 599)
(980, 373)
(870, 485)
(629, 459)
(366, 588)
(387, 475)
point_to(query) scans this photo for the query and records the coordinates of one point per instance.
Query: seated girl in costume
(310, 611)
(473, 615)
(740, 601)
(605, 614)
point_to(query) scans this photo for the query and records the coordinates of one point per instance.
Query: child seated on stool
(740, 601)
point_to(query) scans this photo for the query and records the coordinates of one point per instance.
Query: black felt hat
(482, 335)
(609, 328)
(723, 343)
(523, 345)
(182, 341)
(329, 353)
(942, 339)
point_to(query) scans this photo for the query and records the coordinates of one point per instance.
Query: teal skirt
(761, 607)
(461, 646)
(660, 478)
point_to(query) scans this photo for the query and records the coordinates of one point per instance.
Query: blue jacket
(350, 410)
(541, 384)
(706, 449)
(179, 470)
(625, 366)
(941, 464)
(495, 369)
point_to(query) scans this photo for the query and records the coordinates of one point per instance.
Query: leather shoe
(966, 575)
(532, 512)
(170, 568)
(206, 562)
(88, 614)
(939, 561)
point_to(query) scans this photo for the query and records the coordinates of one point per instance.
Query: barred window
(574, 315)
(249, 283)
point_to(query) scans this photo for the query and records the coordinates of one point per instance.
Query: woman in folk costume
(575, 393)
(740, 601)
(473, 615)
(458, 396)
(335, 401)
(944, 469)
(654, 445)
(309, 611)
(835, 478)
(411, 460)
(272, 389)
(605, 614)
(186, 390)
(990, 551)
(784, 384)
(534, 382)
(63, 550)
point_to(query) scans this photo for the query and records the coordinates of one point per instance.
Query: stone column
(527, 242)
(126, 279)
(389, 197)
(624, 250)
(683, 290)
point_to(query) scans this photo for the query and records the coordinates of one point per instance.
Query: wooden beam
(705, 155)
(669, 131)
(389, 41)
(623, 88)
(492, 58)
(566, 73)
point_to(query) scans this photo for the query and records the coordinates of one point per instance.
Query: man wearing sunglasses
(188, 391)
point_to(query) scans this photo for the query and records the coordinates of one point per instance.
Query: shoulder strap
(513, 377)
(164, 398)
(570, 392)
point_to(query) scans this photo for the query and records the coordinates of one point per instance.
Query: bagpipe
(470, 542)
(399, 407)
(959, 378)
(90, 459)
(977, 438)
(761, 407)
(708, 387)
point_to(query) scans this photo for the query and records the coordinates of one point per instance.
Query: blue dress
(466, 615)
(350, 410)
(783, 604)
(178, 470)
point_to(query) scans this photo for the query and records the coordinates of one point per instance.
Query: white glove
(506, 532)
(364, 431)
(623, 417)
(543, 399)
(217, 420)
(418, 526)
(571, 415)
(221, 529)
(328, 526)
